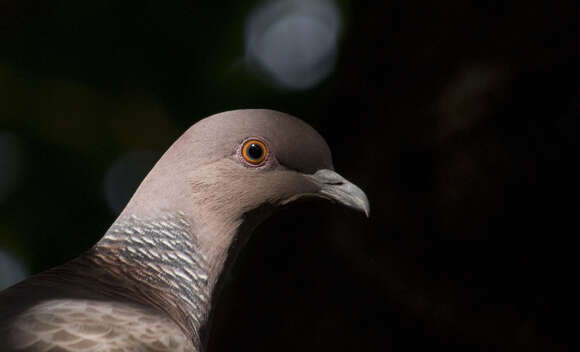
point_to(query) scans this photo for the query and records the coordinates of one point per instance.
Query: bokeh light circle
(295, 42)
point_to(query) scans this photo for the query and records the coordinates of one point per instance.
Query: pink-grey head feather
(203, 175)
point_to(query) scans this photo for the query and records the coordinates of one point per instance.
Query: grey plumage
(148, 284)
(160, 254)
(143, 285)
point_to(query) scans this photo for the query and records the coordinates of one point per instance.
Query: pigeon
(149, 283)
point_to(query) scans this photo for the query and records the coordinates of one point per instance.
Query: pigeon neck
(159, 262)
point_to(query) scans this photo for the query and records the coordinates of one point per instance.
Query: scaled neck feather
(159, 262)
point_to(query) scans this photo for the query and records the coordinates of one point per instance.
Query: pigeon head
(232, 169)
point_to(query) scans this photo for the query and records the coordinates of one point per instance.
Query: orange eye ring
(254, 151)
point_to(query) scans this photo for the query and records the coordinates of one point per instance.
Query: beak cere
(336, 188)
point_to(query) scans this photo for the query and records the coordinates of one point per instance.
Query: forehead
(295, 144)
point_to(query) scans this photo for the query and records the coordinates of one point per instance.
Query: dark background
(457, 119)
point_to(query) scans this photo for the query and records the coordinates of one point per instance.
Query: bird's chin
(303, 197)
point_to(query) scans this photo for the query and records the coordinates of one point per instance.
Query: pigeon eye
(254, 151)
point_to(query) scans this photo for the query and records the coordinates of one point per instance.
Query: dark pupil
(255, 151)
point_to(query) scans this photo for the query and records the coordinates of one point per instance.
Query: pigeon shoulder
(45, 314)
(83, 324)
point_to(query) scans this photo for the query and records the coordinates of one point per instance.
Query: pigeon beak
(336, 188)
